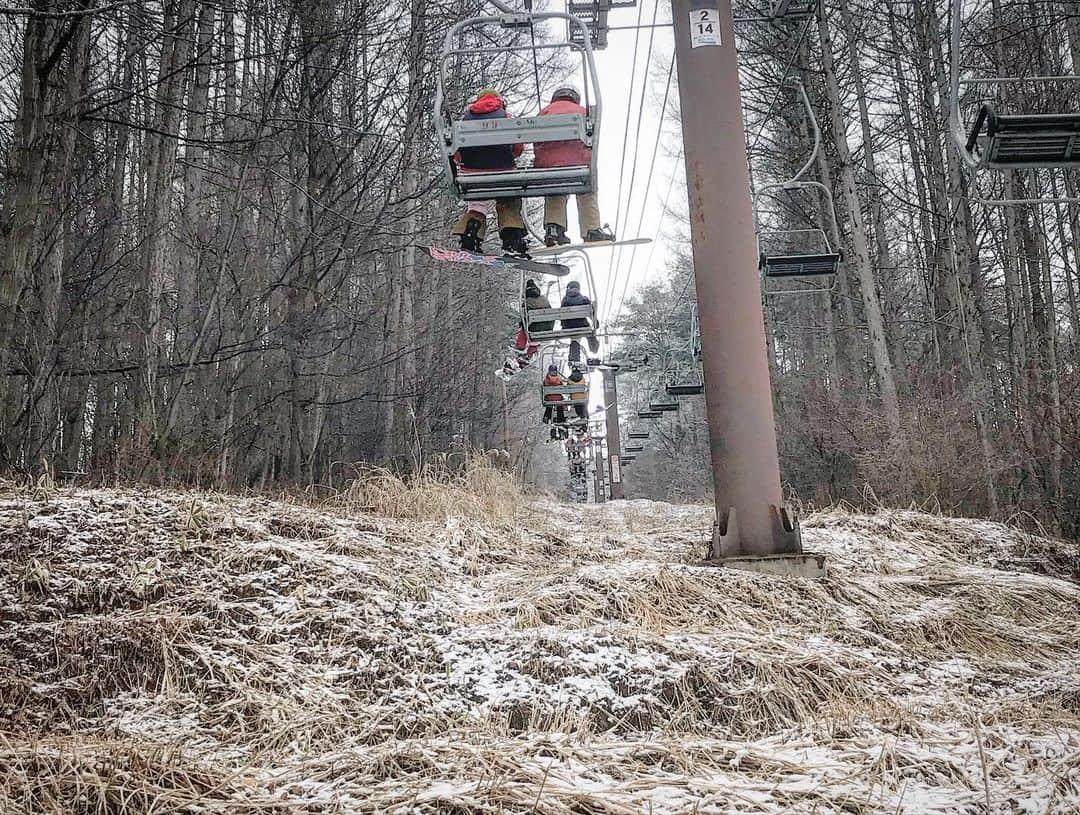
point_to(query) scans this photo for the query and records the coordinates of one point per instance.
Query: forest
(208, 272)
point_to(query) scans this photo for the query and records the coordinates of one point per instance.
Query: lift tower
(752, 529)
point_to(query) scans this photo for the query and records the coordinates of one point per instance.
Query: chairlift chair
(637, 434)
(802, 252)
(627, 459)
(684, 376)
(558, 316)
(649, 414)
(1008, 141)
(453, 133)
(664, 406)
(634, 448)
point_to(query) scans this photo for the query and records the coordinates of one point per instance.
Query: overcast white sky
(615, 65)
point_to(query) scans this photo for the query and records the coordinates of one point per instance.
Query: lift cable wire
(625, 138)
(620, 215)
(656, 238)
(780, 83)
(648, 184)
(637, 141)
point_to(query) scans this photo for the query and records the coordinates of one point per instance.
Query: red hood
(487, 104)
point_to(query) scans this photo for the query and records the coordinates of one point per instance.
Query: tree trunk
(871, 304)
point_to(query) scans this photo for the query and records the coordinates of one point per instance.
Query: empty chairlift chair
(803, 251)
(1011, 140)
(634, 433)
(633, 448)
(454, 133)
(684, 375)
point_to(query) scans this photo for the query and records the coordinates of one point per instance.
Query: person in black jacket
(574, 297)
(472, 225)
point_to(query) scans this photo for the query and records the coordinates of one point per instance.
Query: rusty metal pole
(614, 450)
(599, 484)
(752, 527)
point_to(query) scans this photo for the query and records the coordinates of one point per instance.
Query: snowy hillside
(177, 652)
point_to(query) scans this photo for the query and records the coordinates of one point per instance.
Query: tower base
(785, 558)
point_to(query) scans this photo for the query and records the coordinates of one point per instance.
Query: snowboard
(495, 261)
(554, 250)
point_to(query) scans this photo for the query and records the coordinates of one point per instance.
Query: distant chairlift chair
(684, 376)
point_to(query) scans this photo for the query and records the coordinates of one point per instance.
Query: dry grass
(442, 645)
(477, 490)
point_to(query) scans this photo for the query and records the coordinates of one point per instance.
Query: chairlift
(649, 414)
(800, 252)
(637, 434)
(545, 324)
(684, 376)
(627, 459)
(634, 448)
(1009, 141)
(455, 133)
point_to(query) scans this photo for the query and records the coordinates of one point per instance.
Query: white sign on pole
(704, 27)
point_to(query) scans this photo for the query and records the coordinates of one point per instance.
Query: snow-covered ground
(166, 651)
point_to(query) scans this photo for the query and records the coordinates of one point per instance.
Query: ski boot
(604, 233)
(555, 235)
(471, 241)
(513, 241)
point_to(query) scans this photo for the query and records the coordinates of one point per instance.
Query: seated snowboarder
(472, 225)
(524, 350)
(579, 399)
(554, 400)
(574, 297)
(566, 99)
(534, 299)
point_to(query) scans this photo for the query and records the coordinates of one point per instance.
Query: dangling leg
(511, 226)
(472, 225)
(588, 211)
(547, 414)
(555, 221)
(575, 351)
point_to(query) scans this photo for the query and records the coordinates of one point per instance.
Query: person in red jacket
(472, 225)
(566, 99)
